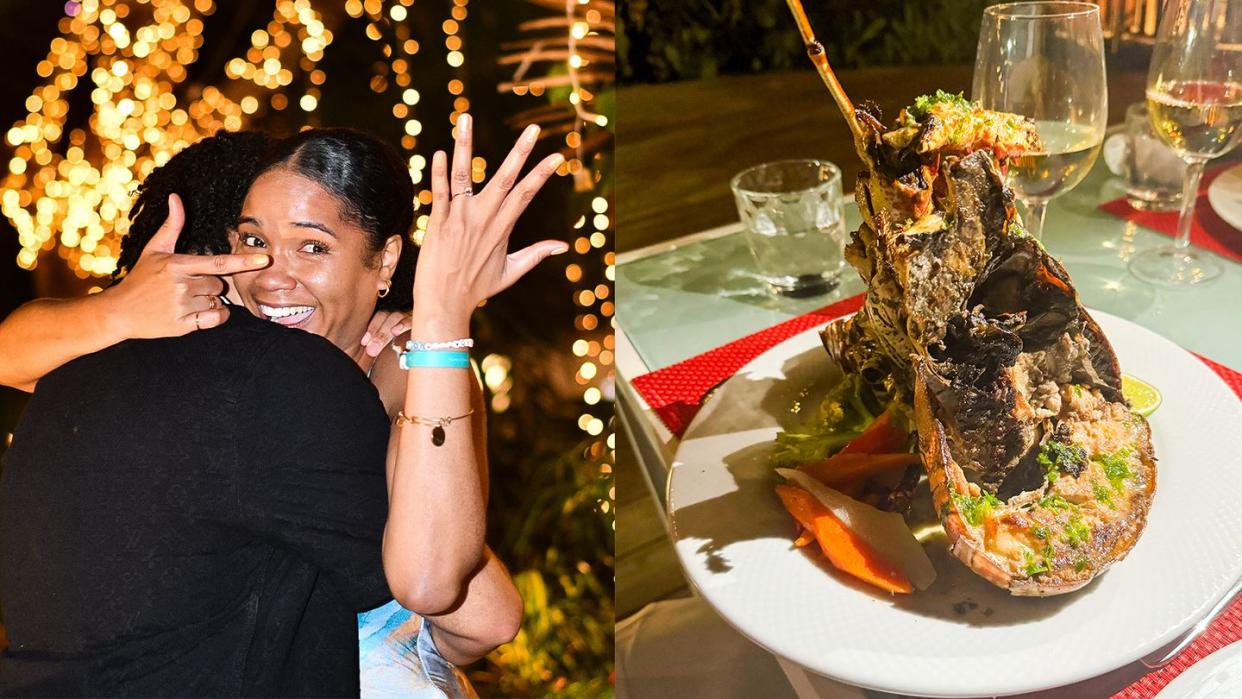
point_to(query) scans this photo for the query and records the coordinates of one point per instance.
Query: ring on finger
(196, 325)
(468, 191)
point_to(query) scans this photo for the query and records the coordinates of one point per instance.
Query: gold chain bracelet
(437, 424)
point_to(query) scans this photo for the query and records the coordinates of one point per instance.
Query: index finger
(219, 264)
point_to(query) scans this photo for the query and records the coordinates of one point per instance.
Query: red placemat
(1208, 231)
(675, 392)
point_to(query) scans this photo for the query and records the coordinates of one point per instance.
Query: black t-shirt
(194, 516)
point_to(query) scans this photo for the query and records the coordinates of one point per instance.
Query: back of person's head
(371, 184)
(211, 177)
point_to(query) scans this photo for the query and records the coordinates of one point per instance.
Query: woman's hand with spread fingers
(464, 258)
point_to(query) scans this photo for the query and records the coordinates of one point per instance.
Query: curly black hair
(372, 185)
(211, 177)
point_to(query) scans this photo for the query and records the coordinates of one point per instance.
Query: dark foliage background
(666, 40)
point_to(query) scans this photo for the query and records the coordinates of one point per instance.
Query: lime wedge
(1144, 398)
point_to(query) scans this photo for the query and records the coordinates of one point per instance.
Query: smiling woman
(326, 200)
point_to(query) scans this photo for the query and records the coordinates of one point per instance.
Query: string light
(497, 376)
(76, 201)
(137, 120)
(581, 57)
(456, 60)
(391, 28)
(296, 36)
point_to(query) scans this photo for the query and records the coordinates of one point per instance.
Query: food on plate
(847, 472)
(1040, 471)
(1143, 397)
(885, 533)
(853, 443)
(1092, 482)
(845, 549)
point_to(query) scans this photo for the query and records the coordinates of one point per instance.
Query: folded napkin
(676, 392)
(1207, 231)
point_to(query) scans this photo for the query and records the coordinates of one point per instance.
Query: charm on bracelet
(437, 424)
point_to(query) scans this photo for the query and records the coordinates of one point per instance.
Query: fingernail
(561, 250)
(259, 260)
(556, 160)
(366, 339)
(532, 132)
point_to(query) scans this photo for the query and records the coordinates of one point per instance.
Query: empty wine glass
(1045, 61)
(1195, 104)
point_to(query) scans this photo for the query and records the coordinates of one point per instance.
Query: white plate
(733, 539)
(1225, 196)
(1215, 677)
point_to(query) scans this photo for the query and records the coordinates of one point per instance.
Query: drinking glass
(1152, 171)
(1195, 103)
(794, 225)
(1045, 61)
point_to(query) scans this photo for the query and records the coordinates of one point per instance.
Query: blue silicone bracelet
(434, 359)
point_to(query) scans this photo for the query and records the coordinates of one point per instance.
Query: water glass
(1153, 172)
(795, 228)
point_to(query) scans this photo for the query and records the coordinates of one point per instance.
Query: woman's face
(323, 278)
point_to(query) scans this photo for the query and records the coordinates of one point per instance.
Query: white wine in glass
(1197, 119)
(1194, 100)
(1067, 155)
(1045, 60)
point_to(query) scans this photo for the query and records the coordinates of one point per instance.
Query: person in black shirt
(194, 516)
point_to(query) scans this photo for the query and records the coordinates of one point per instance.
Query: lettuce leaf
(843, 414)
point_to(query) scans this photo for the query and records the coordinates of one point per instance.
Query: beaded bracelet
(464, 343)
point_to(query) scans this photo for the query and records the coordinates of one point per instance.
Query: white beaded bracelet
(464, 343)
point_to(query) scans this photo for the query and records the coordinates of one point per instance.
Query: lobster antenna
(819, 57)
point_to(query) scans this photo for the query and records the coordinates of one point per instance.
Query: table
(683, 297)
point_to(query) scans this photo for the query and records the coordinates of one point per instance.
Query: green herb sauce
(1058, 458)
(975, 509)
(1077, 532)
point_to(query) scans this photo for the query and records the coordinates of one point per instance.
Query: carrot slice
(844, 549)
(804, 537)
(880, 437)
(841, 471)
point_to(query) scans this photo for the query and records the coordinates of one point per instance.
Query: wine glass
(1045, 61)
(1195, 105)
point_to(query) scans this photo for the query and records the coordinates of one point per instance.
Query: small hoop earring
(387, 288)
